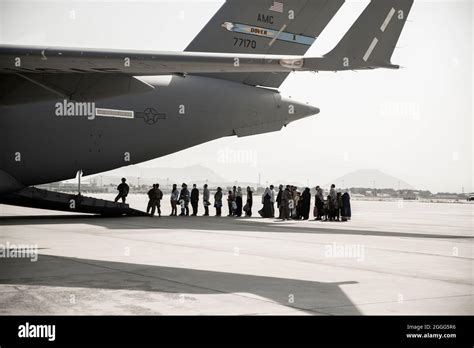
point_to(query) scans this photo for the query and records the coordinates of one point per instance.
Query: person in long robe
(291, 202)
(326, 211)
(296, 214)
(248, 206)
(218, 201)
(184, 200)
(239, 202)
(305, 203)
(206, 197)
(319, 203)
(331, 211)
(346, 207)
(286, 197)
(266, 211)
(174, 199)
(338, 206)
(278, 200)
(333, 193)
(195, 200)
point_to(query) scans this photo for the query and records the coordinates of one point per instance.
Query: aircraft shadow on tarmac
(207, 224)
(57, 271)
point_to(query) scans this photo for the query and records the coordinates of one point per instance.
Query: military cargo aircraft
(70, 110)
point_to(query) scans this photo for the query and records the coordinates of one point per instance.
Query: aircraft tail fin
(372, 39)
(281, 27)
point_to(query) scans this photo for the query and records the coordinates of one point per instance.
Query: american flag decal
(277, 7)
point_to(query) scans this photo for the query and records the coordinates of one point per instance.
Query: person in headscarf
(297, 210)
(294, 203)
(330, 208)
(278, 200)
(174, 199)
(291, 201)
(333, 203)
(206, 197)
(184, 200)
(332, 193)
(319, 203)
(266, 211)
(285, 203)
(346, 206)
(218, 201)
(248, 205)
(234, 197)
(195, 200)
(305, 203)
(231, 203)
(338, 206)
(239, 202)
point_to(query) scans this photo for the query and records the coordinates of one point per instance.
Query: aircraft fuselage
(42, 143)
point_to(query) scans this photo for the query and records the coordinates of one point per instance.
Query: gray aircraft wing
(42, 60)
(30, 74)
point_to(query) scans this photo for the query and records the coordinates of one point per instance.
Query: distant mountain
(190, 175)
(366, 178)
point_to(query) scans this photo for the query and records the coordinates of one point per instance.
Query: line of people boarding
(296, 205)
(291, 203)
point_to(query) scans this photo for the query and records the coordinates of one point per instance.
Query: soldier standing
(152, 198)
(159, 197)
(123, 190)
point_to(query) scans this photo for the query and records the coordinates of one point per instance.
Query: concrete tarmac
(393, 258)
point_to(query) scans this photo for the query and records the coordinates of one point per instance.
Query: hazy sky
(414, 123)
